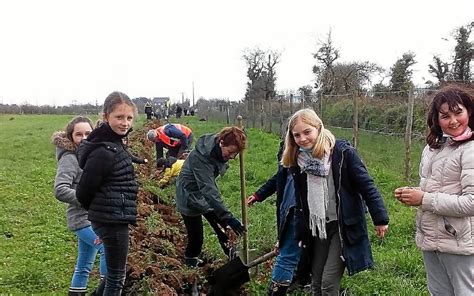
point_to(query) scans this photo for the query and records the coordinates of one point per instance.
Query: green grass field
(37, 252)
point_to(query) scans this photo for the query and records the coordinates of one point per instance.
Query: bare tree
(354, 76)
(439, 69)
(325, 57)
(270, 80)
(254, 59)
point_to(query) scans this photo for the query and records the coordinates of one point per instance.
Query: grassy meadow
(37, 252)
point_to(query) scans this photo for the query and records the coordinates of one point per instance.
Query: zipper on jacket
(123, 204)
(303, 216)
(339, 208)
(443, 169)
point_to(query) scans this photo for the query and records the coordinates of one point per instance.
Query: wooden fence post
(408, 132)
(270, 113)
(243, 199)
(253, 112)
(281, 118)
(355, 121)
(321, 107)
(302, 99)
(291, 104)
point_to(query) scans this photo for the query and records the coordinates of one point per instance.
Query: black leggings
(195, 230)
(115, 239)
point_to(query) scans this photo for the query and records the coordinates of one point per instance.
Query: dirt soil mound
(155, 261)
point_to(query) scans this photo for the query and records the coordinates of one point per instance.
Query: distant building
(160, 102)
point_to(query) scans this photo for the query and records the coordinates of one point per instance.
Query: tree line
(332, 77)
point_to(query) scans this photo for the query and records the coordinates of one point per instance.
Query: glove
(236, 226)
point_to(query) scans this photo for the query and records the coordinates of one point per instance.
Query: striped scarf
(318, 195)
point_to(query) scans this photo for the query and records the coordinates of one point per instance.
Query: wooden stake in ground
(243, 199)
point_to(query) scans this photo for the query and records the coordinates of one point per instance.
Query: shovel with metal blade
(233, 274)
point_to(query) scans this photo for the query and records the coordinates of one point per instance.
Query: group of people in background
(165, 113)
(323, 191)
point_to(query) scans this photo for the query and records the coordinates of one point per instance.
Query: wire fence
(401, 114)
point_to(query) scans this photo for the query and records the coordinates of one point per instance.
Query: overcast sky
(60, 52)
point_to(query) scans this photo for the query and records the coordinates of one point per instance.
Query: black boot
(100, 288)
(277, 289)
(76, 292)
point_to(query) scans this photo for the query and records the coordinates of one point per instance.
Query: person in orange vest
(177, 138)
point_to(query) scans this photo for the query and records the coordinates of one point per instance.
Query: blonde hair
(324, 142)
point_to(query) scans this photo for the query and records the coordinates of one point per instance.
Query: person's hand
(184, 155)
(381, 230)
(276, 248)
(409, 196)
(251, 200)
(236, 226)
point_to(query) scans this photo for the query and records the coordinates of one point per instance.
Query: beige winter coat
(445, 220)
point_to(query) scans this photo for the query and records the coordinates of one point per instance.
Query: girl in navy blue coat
(289, 252)
(332, 189)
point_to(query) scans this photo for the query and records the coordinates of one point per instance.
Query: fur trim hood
(62, 143)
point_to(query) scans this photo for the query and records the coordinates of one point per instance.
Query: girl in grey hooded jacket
(67, 177)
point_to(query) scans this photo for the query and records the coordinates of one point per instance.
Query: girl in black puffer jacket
(108, 187)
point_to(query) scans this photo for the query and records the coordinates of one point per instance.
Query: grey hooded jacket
(196, 189)
(68, 175)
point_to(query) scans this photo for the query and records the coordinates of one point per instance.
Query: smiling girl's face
(453, 123)
(305, 135)
(120, 119)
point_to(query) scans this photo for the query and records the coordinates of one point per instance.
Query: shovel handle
(262, 258)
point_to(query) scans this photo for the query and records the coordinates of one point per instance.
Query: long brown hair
(324, 142)
(454, 96)
(69, 129)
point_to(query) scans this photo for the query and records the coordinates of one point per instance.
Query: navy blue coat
(355, 192)
(277, 183)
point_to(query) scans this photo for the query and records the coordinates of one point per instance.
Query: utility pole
(193, 93)
(182, 97)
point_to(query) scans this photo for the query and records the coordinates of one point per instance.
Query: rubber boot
(277, 289)
(100, 288)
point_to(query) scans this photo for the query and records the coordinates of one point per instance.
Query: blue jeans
(88, 247)
(115, 240)
(290, 252)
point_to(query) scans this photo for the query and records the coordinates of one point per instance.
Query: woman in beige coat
(445, 198)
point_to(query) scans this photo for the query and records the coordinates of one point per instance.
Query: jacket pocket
(355, 229)
(302, 232)
(457, 228)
